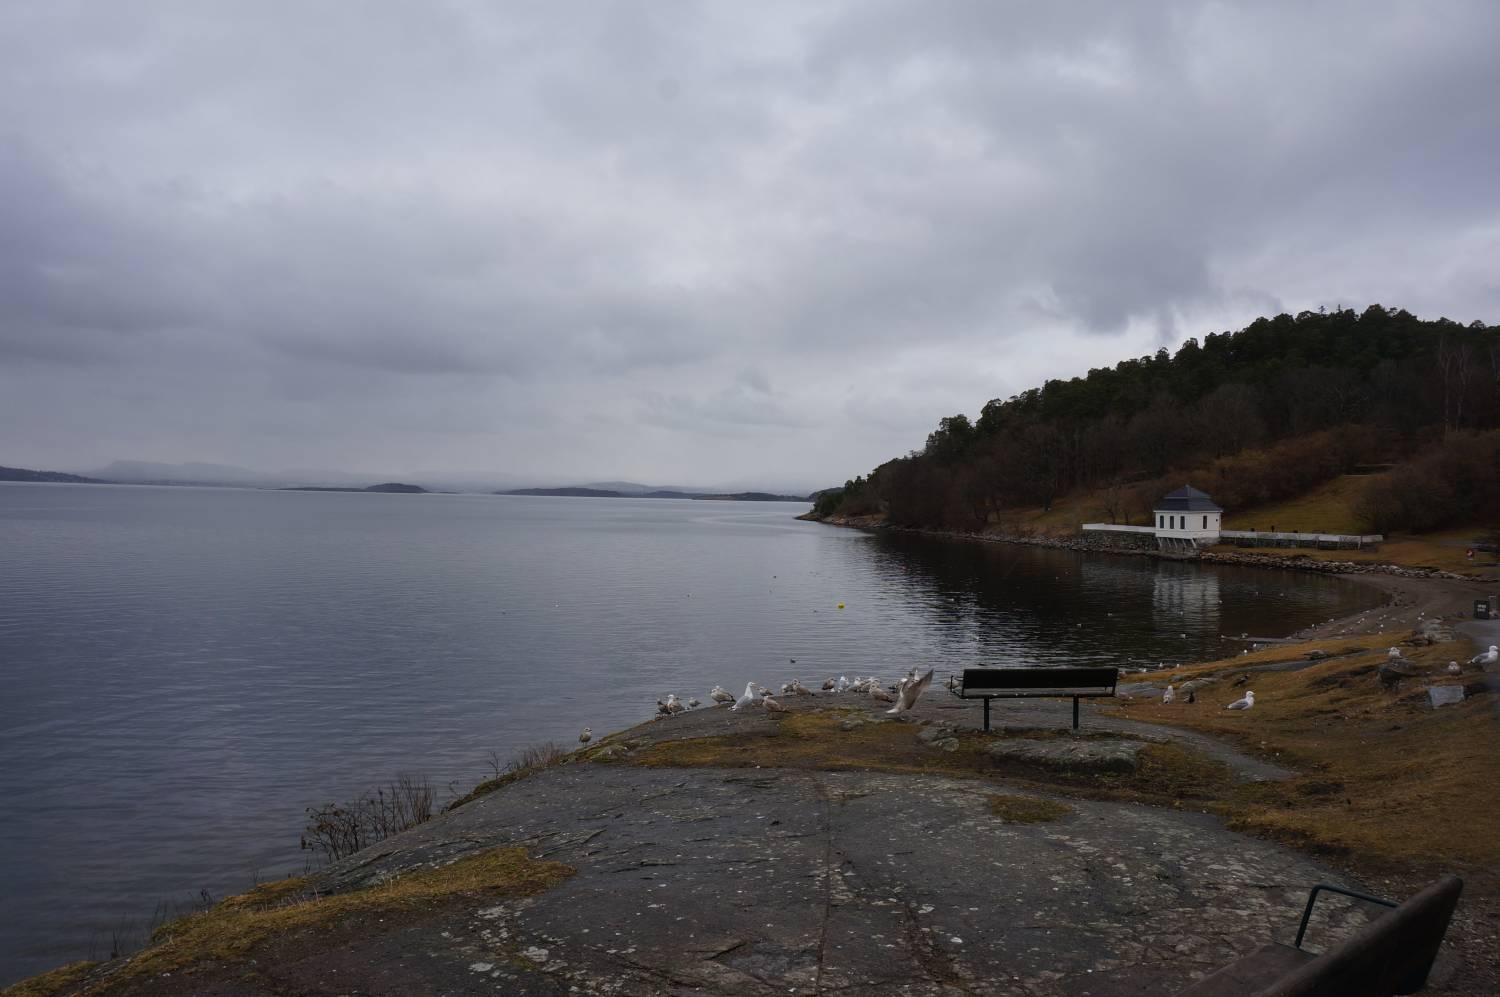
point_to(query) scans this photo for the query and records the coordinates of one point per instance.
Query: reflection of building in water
(1186, 595)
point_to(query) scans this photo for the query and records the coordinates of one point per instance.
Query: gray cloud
(693, 243)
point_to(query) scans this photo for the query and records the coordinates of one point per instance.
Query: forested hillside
(1251, 417)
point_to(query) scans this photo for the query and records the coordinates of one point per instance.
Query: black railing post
(1075, 712)
(987, 713)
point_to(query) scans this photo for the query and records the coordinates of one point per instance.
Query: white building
(1187, 517)
(1187, 520)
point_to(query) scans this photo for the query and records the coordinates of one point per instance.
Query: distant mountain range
(142, 472)
(585, 491)
(24, 474)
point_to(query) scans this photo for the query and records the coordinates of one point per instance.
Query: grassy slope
(228, 936)
(1384, 778)
(1327, 508)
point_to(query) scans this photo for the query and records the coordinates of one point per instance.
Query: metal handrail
(1313, 897)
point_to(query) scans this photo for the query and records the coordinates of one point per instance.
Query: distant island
(56, 477)
(394, 487)
(582, 492)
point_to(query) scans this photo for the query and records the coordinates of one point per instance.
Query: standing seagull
(721, 695)
(1243, 704)
(586, 736)
(880, 695)
(910, 690)
(772, 706)
(1168, 696)
(1487, 658)
(748, 699)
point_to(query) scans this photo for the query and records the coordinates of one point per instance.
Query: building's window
(1161, 522)
(1205, 522)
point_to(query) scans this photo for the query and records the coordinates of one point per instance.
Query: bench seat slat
(1249, 975)
(1014, 680)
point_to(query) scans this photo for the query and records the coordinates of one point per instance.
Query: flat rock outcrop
(1093, 755)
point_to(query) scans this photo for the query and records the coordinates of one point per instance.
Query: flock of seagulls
(901, 696)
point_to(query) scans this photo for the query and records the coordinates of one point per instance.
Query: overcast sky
(692, 243)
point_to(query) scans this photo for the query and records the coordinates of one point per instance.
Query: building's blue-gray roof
(1187, 499)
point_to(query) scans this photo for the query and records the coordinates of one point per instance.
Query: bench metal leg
(1075, 712)
(1312, 898)
(986, 714)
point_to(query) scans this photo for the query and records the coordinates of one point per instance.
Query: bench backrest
(1004, 679)
(1390, 955)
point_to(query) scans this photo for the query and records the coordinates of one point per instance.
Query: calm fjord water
(183, 671)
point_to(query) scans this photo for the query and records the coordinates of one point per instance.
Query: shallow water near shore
(183, 671)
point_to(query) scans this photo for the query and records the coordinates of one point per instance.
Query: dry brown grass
(1169, 775)
(1026, 809)
(1328, 508)
(1437, 551)
(1383, 777)
(48, 984)
(233, 929)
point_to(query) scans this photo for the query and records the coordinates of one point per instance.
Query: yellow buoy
(841, 605)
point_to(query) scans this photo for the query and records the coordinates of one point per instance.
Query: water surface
(184, 670)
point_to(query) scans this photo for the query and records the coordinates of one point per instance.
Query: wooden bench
(1391, 955)
(1034, 683)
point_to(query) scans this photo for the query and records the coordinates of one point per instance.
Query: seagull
(829, 685)
(1453, 668)
(1192, 695)
(1243, 704)
(1167, 696)
(694, 703)
(910, 690)
(1487, 658)
(799, 689)
(673, 704)
(842, 684)
(748, 699)
(1393, 653)
(1241, 680)
(662, 709)
(586, 736)
(881, 695)
(772, 706)
(721, 695)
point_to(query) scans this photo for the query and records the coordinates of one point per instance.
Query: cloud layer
(709, 243)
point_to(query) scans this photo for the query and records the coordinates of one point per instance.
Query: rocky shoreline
(1103, 546)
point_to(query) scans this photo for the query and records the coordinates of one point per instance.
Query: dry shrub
(1455, 484)
(536, 756)
(529, 760)
(337, 830)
